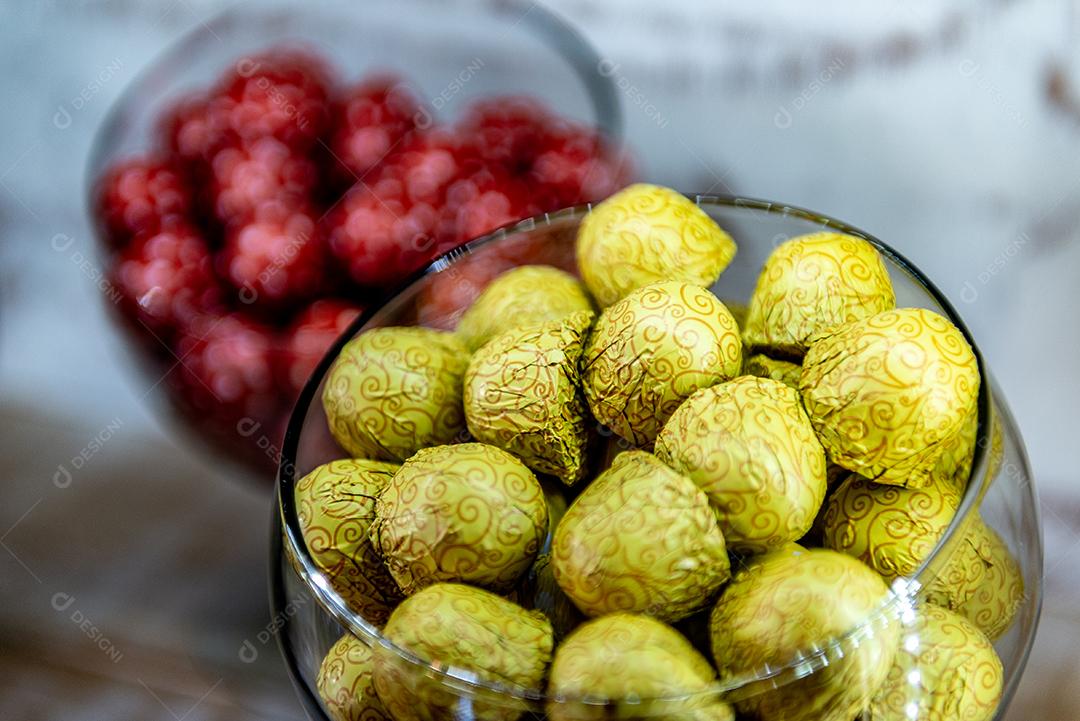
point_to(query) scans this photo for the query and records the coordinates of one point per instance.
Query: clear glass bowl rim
(465, 682)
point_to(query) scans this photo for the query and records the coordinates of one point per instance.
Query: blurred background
(133, 563)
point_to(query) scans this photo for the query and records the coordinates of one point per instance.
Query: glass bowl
(310, 616)
(458, 55)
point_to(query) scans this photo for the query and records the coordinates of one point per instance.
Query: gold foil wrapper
(738, 312)
(946, 669)
(981, 580)
(647, 234)
(468, 512)
(336, 507)
(393, 391)
(627, 660)
(890, 529)
(651, 351)
(812, 283)
(788, 373)
(641, 538)
(346, 682)
(525, 296)
(763, 366)
(468, 629)
(785, 603)
(884, 393)
(953, 467)
(522, 394)
(749, 445)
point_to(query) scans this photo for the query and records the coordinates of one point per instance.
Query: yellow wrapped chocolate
(884, 393)
(945, 669)
(520, 298)
(651, 351)
(468, 512)
(648, 234)
(393, 391)
(643, 669)
(749, 445)
(346, 682)
(640, 538)
(981, 580)
(894, 530)
(482, 636)
(791, 600)
(523, 394)
(890, 529)
(336, 506)
(812, 283)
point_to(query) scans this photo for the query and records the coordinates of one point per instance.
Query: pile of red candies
(279, 202)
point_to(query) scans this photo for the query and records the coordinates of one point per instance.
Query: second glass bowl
(455, 58)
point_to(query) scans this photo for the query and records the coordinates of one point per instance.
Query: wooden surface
(129, 593)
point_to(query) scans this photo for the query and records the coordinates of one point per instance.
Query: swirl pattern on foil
(519, 298)
(890, 529)
(643, 539)
(812, 283)
(953, 467)
(522, 394)
(791, 600)
(346, 682)
(647, 234)
(981, 581)
(749, 445)
(994, 604)
(393, 391)
(651, 351)
(885, 392)
(467, 628)
(788, 373)
(626, 659)
(468, 512)
(336, 506)
(964, 568)
(945, 670)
